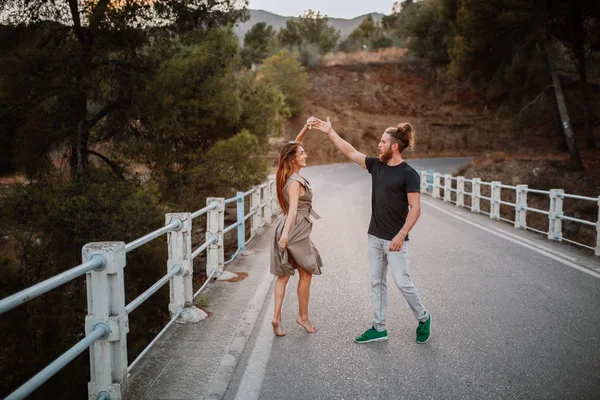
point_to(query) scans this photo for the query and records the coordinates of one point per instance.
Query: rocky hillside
(362, 99)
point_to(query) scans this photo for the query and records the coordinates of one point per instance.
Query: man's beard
(385, 156)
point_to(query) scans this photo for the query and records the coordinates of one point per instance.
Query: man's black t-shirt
(389, 201)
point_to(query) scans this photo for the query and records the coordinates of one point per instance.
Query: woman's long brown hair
(284, 170)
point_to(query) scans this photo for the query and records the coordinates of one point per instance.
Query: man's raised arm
(340, 143)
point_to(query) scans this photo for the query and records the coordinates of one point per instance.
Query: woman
(292, 248)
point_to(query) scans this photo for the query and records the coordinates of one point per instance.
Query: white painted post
(255, 206)
(181, 291)
(269, 206)
(106, 304)
(423, 181)
(597, 252)
(521, 207)
(476, 195)
(274, 203)
(495, 202)
(447, 187)
(460, 191)
(555, 214)
(241, 229)
(215, 260)
(436, 185)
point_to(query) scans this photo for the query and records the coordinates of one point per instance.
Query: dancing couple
(395, 208)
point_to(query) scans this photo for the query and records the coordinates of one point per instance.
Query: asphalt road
(509, 322)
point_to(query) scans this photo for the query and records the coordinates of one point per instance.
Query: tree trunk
(562, 108)
(578, 46)
(561, 139)
(79, 143)
(585, 97)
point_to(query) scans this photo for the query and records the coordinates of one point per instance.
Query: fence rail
(107, 321)
(431, 183)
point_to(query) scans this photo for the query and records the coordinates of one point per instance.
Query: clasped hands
(323, 126)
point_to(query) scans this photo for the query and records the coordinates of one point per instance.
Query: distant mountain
(345, 26)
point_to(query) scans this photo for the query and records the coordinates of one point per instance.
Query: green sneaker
(372, 335)
(424, 331)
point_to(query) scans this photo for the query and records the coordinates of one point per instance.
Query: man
(396, 187)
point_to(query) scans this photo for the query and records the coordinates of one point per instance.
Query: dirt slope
(364, 99)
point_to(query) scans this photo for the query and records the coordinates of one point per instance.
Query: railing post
(430, 174)
(597, 252)
(436, 185)
(241, 229)
(215, 259)
(460, 191)
(476, 195)
(555, 214)
(255, 206)
(106, 304)
(447, 187)
(521, 207)
(269, 206)
(181, 290)
(424, 178)
(273, 194)
(495, 200)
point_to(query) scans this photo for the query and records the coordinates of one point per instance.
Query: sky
(333, 8)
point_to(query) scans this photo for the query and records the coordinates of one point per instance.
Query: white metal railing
(107, 321)
(431, 183)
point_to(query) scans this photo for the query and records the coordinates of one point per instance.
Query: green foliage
(263, 108)
(430, 33)
(310, 28)
(488, 35)
(191, 102)
(256, 43)
(74, 70)
(369, 35)
(424, 25)
(284, 70)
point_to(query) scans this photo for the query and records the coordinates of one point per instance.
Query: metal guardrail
(431, 184)
(107, 322)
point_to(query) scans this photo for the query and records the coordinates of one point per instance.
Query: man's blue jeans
(379, 258)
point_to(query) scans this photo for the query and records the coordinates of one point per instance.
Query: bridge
(515, 313)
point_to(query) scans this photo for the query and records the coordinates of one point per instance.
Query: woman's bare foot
(277, 328)
(305, 323)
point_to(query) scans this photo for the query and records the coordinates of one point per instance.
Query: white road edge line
(549, 250)
(510, 239)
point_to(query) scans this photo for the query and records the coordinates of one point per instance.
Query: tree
(499, 41)
(310, 28)
(82, 62)
(284, 71)
(369, 34)
(256, 43)
(429, 31)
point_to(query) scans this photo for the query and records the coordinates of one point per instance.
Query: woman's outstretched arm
(301, 134)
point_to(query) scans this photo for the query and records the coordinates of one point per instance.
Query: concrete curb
(224, 373)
